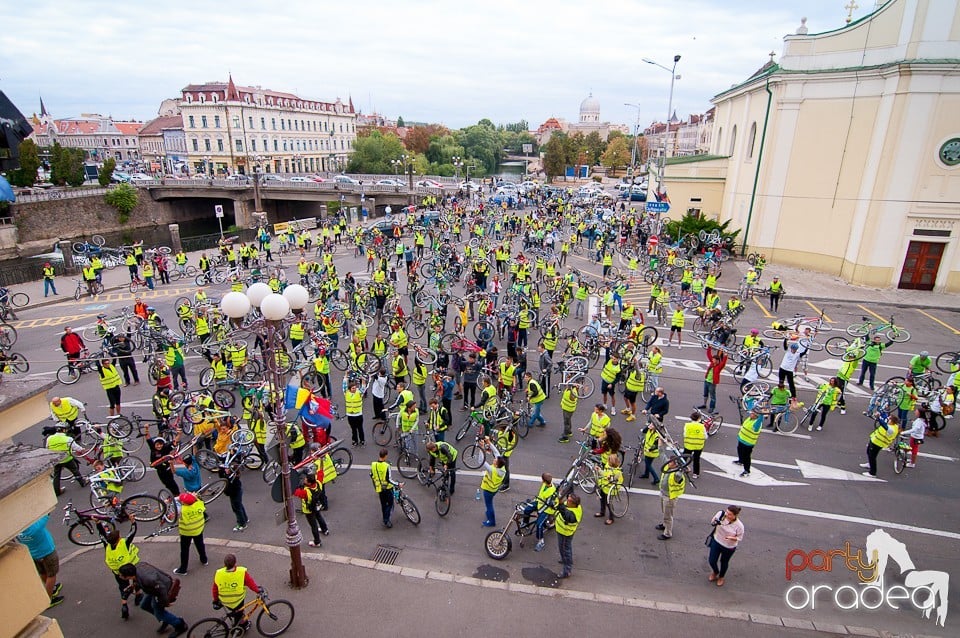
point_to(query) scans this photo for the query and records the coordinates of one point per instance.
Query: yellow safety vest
(610, 371)
(506, 374)
(378, 474)
(354, 402)
(230, 586)
(409, 420)
(568, 529)
(569, 400)
(110, 377)
(675, 489)
(651, 444)
(60, 442)
(66, 412)
(117, 557)
(694, 435)
(543, 497)
(492, 479)
(535, 392)
(747, 434)
(598, 423)
(881, 438)
(636, 380)
(191, 518)
(654, 364)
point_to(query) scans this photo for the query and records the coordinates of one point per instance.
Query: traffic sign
(657, 207)
(218, 210)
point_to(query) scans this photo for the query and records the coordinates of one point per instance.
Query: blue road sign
(657, 207)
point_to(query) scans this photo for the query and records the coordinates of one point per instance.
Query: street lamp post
(663, 157)
(274, 309)
(257, 168)
(636, 139)
(208, 167)
(457, 162)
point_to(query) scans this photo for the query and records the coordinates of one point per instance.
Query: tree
(518, 127)
(66, 165)
(554, 155)
(692, 223)
(372, 153)
(106, 172)
(124, 198)
(594, 148)
(26, 175)
(617, 154)
(482, 143)
(400, 123)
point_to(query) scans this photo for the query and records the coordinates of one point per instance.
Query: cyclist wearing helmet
(753, 340)
(919, 364)
(153, 319)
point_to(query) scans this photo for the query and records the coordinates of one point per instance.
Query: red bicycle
(453, 343)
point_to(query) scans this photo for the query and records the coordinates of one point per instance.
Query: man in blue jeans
(153, 588)
(536, 396)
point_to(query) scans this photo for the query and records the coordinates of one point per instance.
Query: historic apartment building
(231, 129)
(845, 157)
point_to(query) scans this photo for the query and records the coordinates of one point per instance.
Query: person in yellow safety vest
(60, 442)
(507, 369)
(536, 396)
(190, 523)
(105, 482)
(89, 278)
(881, 438)
(635, 383)
(847, 368)
(181, 260)
(599, 421)
(827, 395)
(303, 269)
(399, 368)
(753, 341)
(710, 283)
(626, 315)
(711, 301)
(409, 425)
(663, 302)
(694, 440)
(230, 585)
(488, 395)
(506, 441)
(382, 484)
(117, 553)
(438, 420)
(110, 380)
(676, 327)
(297, 442)
(607, 263)
(672, 485)
(399, 340)
(734, 307)
(609, 486)
(148, 273)
(311, 504)
(544, 506)
(321, 365)
(353, 402)
(131, 263)
(651, 451)
(491, 480)
(747, 439)
(420, 382)
(175, 358)
(609, 376)
(776, 291)
(655, 365)
(297, 333)
(567, 520)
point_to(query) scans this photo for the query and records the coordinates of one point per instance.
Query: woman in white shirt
(788, 365)
(727, 534)
(917, 431)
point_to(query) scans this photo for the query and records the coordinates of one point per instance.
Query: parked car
(239, 177)
(317, 179)
(271, 177)
(119, 177)
(345, 179)
(300, 180)
(472, 185)
(429, 183)
(390, 182)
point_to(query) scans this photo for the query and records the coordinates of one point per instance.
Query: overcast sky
(426, 60)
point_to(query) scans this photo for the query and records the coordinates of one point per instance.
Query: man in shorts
(39, 541)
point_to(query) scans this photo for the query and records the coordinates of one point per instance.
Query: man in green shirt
(920, 364)
(779, 400)
(871, 357)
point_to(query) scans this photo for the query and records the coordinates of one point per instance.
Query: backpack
(174, 591)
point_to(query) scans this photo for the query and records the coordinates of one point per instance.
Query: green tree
(66, 165)
(518, 127)
(555, 155)
(692, 223)
(124, 198)
(106, 172)
(594, 148)
(481, 142)
(372, 153)
(400, 123)
(26, 175)
(617, 154)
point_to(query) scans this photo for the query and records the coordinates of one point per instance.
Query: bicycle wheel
(206, 378)
(442, 502)
(382, 433)
(68, 374)
(899, 459)
(716, 422)
(898, 335)
(207, 459)
(462, 432)
(619, 501)
(447, 341)
(84, 533)
(342, 460)
(407, 463)
(276, 618)
(19, 299)
(211, 491)
(936, 422)
(859, 329)
(428, 356)
(339, 360)
(224, 398)
(410, 510)
(209, 628)
(498, 544)
(585, 479)
(837, 346)
(8, 335)
(270, 472)
(587, 387)
(788, 422)
(947, 360)
(473, 456)
(132, 468)
(143, 507)
(101, 501)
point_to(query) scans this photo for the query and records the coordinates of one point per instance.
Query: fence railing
(22, 273)
(52, 195)
(208, 242)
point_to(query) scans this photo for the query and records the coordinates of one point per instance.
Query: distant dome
(590, 105)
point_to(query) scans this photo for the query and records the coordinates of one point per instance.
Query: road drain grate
(386, 554)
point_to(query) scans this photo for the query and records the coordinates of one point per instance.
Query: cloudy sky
(426, 60)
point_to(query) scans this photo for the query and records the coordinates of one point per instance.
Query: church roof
(590, 105)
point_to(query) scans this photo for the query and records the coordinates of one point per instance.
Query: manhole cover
(540, 576)
(386, 554)
(489, 572)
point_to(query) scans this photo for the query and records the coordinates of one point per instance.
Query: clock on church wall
(950, 152)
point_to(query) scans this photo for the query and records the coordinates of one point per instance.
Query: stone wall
(82, 216)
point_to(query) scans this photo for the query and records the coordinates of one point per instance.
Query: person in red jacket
(230, 585)
(717, 360)
(72, 344)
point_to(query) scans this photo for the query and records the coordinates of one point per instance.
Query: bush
(692, 223)
(124, 198)
(106, 172)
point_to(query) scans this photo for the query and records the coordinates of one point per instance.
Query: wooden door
(921, 265)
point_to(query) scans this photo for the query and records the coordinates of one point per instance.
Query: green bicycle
(868, 328)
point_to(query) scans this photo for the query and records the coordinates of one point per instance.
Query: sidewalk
(413, 601)
(817, 286)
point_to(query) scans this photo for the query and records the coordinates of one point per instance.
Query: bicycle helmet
(101, 316)
(754, 332)
(150, 309)
(924, 353)
(794, 346)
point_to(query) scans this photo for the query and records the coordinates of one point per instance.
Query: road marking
(762, 309)
(49, 321)
(732, 471)
(737, 426)
(818, 311)
(815, 471)
(931, 317)
(725, 500)
(939, 457)
(870, 312)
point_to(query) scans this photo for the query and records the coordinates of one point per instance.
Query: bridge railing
(53, 195)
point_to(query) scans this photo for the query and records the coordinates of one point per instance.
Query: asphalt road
(789, 502)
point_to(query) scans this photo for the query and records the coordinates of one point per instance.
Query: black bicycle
(439, 480)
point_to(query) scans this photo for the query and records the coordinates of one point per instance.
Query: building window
(236, 121)
(265, 145)
(220, 145)
(193, 123)
(289, 125)
(263, 123)
(253, 145)
(751, 140)
(206, 144)
(284, 144)
(275, 145)
(283, 125)
(239, 146)
(273, 123)
(296, 125)
(203, 121)
(216, 121)
(196, 145)
(719, 139)
(733, 141)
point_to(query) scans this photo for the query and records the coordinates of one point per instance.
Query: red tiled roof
(156, 126)
(223, 88)
(128, 128)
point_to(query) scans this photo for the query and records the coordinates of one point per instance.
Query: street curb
(895, 304)
(67, 298)
(537, 590)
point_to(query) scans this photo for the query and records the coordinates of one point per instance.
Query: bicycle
(85, 526)
(711, 422)
(340, 456)
(796, 413)
(498, 543)
(13, 362)
(406, 504)
(439, 480)
(273, 619)
(868, 328)
(8, 335)
(901, 453)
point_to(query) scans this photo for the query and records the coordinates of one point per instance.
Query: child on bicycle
(106, 482)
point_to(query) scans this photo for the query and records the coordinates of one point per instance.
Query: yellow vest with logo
(881, 439)
(117, 557)
(568, 529)
(694, 435)
(492, 479)
(230, 587)
(191, 518)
